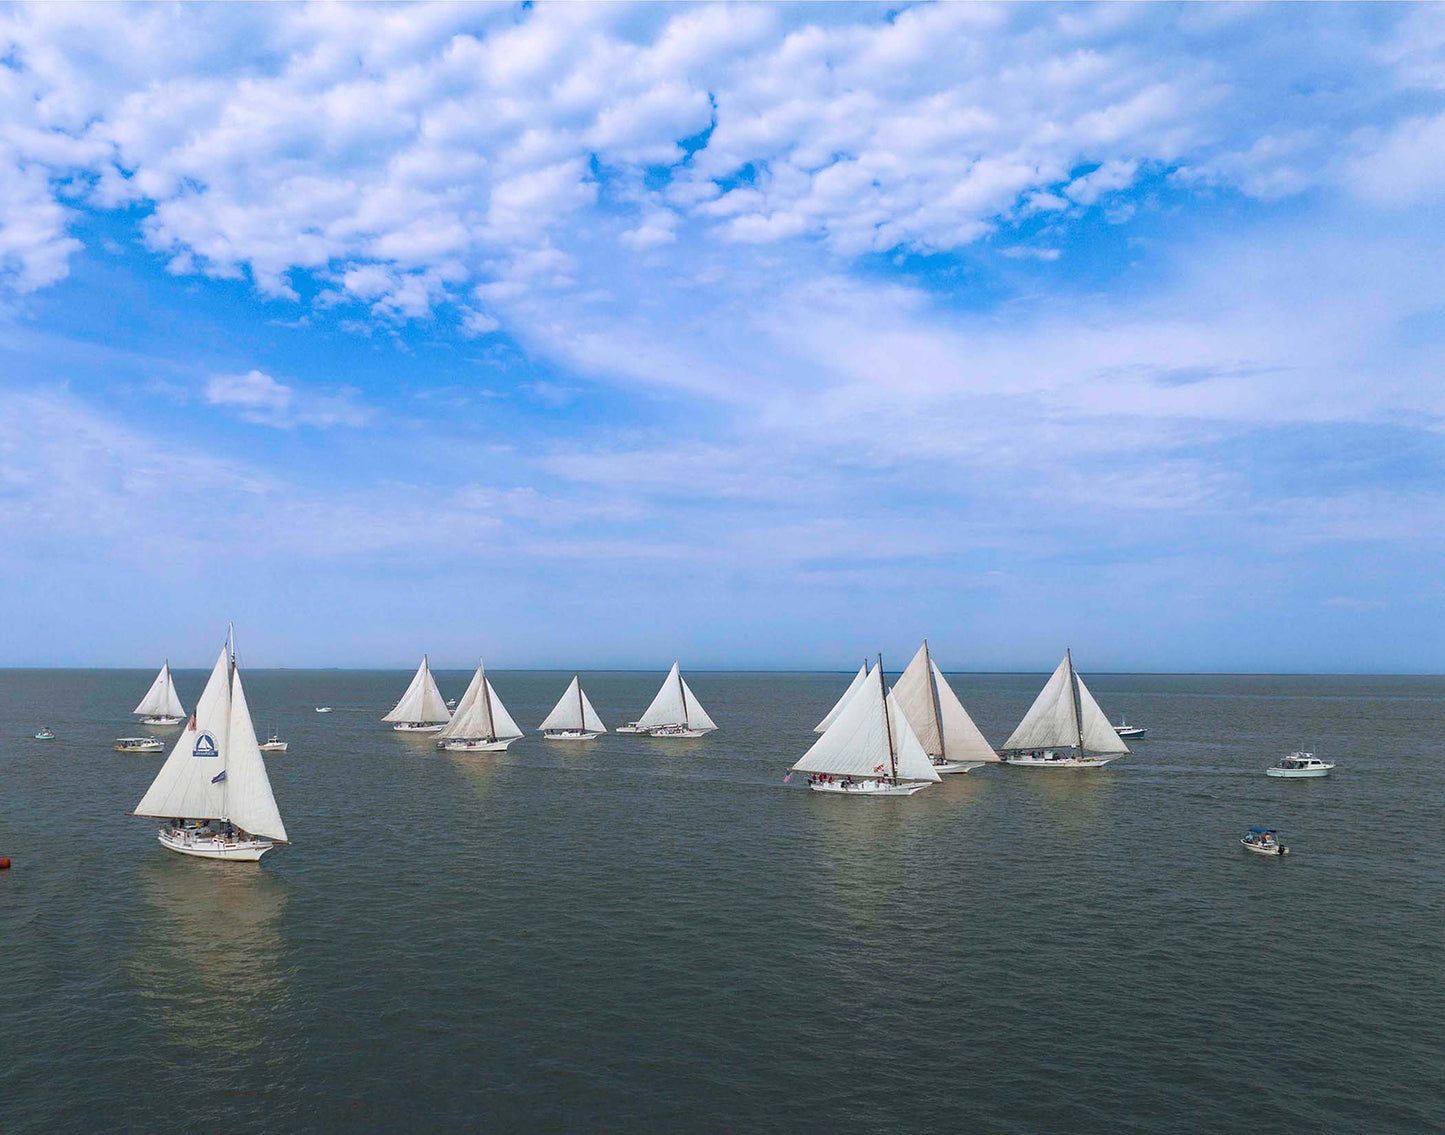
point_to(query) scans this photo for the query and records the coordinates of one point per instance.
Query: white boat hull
(629, 728)
(215, 847)
(462, 745)
(1298, 773)
(419, 727)
(672, 731)
(949, 768)
(161, 719)
(156, 748)
(1129, 731)
(870, 787)
(570, 735)
(1058, 762)
(1265, 848)
(323, 709)
(274, 746)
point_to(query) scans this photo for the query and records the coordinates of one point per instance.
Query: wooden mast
(682, 693)
(1074, 701)
(933, 696)
(487, 694)
(581, 713)
(887, 725)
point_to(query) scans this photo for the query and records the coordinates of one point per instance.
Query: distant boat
(274, 744)
(1124, 729)
(161, 705)
(323, 709)
(573, 718)
(1263, 841)
(853, 687)
(45, 734)
(1300, 766)
(421, 709)
(944, 729)
(213, 789)
(139, 745)
(869, 749)
(481, 723)
(674, 712)
(1064, 716)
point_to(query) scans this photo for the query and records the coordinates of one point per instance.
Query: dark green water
(649, 935)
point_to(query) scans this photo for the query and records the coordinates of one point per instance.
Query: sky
(752, 336)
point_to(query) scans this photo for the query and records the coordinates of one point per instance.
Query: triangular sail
(832, 715)
(574, 712)
(666, 707)
(591, 720)
(697, 717)
(461, 715)
(1049, 722)
(480, 714)
(422, 701)
(161, 698)
(856, 743)
(1099, 735)
(186, 787)
(250, 804)
(503, 725)
(962, 739)
(914, 691)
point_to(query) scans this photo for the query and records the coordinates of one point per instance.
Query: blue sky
(752, 336)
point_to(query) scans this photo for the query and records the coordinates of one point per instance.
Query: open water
(647, 935)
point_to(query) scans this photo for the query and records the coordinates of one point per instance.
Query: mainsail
(1065, 715)
(963, 740)
(422, 701)
(215, 771)
(862, 742)
(676, 704)
(161, 699)
(943, 726)
(480, 714)
(858, 679)
(574, 712)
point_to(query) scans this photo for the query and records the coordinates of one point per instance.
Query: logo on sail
(205, 746)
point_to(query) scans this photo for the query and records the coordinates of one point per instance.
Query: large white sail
(161, 699)
(962, 739)
(481, 714)
(675, 704)
(1099, 735)
(914, 691)
(832, 715)
(422, 701)
(249, 802)
(1054, 722)
(574, 712)
(462, 713)
(186, 787)
(857, 743)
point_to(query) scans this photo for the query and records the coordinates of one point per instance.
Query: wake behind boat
(161, 704)
(481, 723)
(1064, 716)
(421, 709)
(573, 718)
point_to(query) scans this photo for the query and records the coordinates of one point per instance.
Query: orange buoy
(4, 864)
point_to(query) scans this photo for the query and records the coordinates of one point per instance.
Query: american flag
(192, 726)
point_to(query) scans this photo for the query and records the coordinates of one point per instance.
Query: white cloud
(258, 398)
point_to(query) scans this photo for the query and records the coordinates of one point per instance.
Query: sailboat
(481, 723)
(421, 709)
(853, 687)
(573, 718)
(161, 705)
(869, 749)
(213, 788)
(1064, 716)
(948, 735)
(674, 712)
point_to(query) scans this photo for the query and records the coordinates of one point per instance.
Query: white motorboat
(213, 790)
(943, 727)
(161, 704)
(139, 745)
(630, 727)
(323, 709)
(573, 718)
(481, 723)
(674, 712)
(45, 734)
(274, 744)
(1300, 766)
(422, 708)
(1263, 841)
(869, 749)
(1124, 729)
(1064, 716)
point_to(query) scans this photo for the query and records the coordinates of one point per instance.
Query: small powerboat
(139, 745)
(45, 734)
(274, 744)
(1124, 729)
(323, 709)
(1263, 841)
(1298, 765)
(630, 727)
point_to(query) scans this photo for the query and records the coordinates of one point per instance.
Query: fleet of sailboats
(573, 718)
(481, 723)
(1065, 717)
(161, 705)
(421, 709)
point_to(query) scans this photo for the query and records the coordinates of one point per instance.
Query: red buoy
(4, 864)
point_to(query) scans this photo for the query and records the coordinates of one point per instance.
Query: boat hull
(1130, 733)
(119, 748)
(461, 745)
(279, 747)
(161, 719)
(629, 729)
(1059, 762)
(570, 735)
(871, 787)
(680, 734)
(418, 727)
(1298, 773)
(951, 768)
(1264, 849)
(236, 851)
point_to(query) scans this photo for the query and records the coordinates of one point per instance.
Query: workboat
(869, 749)
(139, 745)
(45, 734)
(323, 709)
(213, 790)
(481, 723)
(421, 709)
(674, 712)
(161, 704)
(274, 744)
(1064, 716)
(573, 718)
(1263, 841)
(1299, 766)
(943, 727)
(1124, 729)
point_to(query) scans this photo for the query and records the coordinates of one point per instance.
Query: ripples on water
(639, 934)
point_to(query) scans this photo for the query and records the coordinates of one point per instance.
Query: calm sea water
(649, 935)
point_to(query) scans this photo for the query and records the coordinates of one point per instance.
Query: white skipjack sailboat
(869, 749)
(421, 709)
(573, 718)
(213, 787)
(945, 730)
(675, 712)
(1064, 716)
(481, 723)
(853, 687)
(161, 705)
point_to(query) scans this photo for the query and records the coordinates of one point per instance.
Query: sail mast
(1074, 700)
(682, 693)
(887, 725)
(933, 697)
(582, 713)
(487, 701)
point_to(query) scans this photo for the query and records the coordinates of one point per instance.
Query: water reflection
(1071, 798)
(478, 769)
(211, 958)
(865, 850)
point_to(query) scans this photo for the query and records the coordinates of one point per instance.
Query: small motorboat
(1298, 765)
(1124, 729)
(630, 727)
(45, 734)
(451, 703)
(139, 745)
(274, 744)
(323, 709)
(1263, 841)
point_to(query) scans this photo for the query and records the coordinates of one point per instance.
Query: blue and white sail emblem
(205, 746)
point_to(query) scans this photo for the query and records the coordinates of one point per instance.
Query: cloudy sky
(754, 336)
